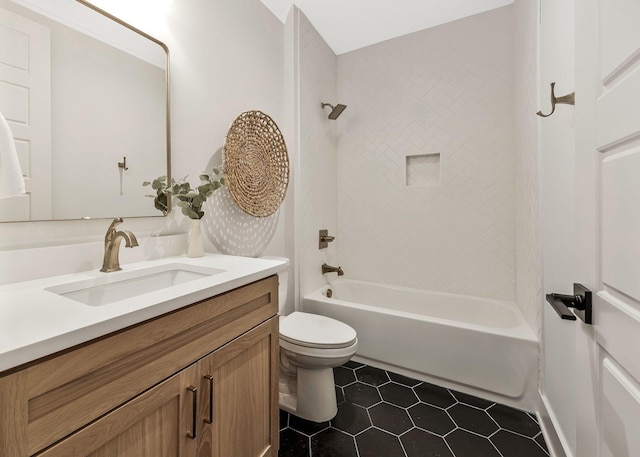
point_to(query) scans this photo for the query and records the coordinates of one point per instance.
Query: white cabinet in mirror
(81, 91)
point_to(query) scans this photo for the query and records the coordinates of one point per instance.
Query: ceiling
(347, 25)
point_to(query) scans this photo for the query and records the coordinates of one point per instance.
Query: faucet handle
(112, 228)
(324, 239)
(116, 221)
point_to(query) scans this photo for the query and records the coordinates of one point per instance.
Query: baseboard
(555, 440)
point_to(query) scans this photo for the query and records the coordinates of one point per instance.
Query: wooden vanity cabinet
(238, 397)
(199, 381)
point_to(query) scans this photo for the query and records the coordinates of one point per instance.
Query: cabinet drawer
(67, 391)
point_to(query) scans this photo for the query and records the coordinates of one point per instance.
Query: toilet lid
(313, 330)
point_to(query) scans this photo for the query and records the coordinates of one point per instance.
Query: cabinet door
(239, 407)
(158, 423)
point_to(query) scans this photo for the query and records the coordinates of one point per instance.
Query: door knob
(581, 301)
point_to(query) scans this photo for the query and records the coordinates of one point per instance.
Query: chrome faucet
(329, 269)
(112, 242)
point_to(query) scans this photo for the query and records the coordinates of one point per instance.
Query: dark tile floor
(383, 414)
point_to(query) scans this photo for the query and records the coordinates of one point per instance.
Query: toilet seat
(315, 331)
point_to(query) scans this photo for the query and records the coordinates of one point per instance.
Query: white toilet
(310, 347)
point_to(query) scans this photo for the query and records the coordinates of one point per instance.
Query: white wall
(227, 56)
(446, 90)
(318, 154)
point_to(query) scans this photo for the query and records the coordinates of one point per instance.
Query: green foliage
(190, 200)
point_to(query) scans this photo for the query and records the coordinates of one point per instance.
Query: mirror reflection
(85, 98)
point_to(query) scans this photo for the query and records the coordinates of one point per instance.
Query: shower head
(335, 110)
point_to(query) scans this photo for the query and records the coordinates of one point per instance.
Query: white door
(25, 101)
(607, 171)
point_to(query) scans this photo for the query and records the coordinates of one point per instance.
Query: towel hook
(123, 164)
(569, 99)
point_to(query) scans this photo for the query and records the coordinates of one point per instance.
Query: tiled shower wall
(318, 138)
(528, 244)
(448, 91)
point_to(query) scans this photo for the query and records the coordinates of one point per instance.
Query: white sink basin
(129, 284)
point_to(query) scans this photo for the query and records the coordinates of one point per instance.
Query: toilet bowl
(311, 346)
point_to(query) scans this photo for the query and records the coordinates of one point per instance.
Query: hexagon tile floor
(383, 414)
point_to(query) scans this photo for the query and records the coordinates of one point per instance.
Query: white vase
(194, 242)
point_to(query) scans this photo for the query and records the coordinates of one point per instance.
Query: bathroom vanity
(200, 379)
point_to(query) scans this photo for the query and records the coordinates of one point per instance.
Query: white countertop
(35, 322)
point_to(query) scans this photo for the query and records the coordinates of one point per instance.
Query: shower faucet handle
(324, 239)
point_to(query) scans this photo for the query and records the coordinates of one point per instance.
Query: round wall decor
(256, 163)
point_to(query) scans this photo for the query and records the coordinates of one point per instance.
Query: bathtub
(479, 346)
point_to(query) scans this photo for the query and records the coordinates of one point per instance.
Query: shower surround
(448, 91)
(452, 106)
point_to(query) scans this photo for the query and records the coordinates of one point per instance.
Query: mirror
(86, 98)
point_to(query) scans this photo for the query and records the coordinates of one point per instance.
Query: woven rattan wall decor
(256, 163)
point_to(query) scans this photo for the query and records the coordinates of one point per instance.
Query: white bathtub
(476, 345)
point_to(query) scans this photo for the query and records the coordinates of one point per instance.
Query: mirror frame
(167, 115)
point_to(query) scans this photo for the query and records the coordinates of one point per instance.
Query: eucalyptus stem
(186, 197)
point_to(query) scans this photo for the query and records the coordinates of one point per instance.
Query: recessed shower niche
(422, 170)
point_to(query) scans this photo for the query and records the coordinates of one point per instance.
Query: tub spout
(329, 269)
